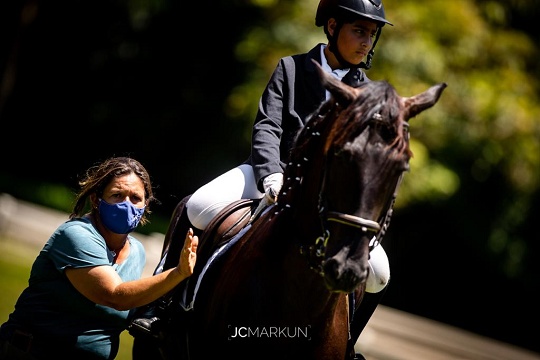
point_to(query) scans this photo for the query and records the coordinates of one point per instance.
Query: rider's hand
(272, 186)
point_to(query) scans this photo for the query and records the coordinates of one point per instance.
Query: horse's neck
(290, 236)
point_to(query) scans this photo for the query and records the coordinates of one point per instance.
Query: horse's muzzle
(343, 274)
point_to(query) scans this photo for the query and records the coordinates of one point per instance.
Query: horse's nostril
(344, 276)
(331, 268)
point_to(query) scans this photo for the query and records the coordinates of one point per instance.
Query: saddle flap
(225, 226)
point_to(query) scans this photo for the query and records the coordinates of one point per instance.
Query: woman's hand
(188, 256)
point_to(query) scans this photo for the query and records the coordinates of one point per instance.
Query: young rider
(294, 91)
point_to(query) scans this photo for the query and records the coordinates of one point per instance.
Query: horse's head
(355, 150)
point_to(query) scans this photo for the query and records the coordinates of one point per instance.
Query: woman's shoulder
(77, 230)
(77, 243)
(82, 224)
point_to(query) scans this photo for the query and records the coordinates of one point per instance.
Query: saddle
(219, 231)
(224, 227)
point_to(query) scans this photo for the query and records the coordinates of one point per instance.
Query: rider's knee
(200, 218)
(200, 211)
(379, 270)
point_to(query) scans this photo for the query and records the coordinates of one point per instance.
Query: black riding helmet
(347, 11)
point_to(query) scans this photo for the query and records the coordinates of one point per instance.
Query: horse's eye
(406, 132)
(385, 132)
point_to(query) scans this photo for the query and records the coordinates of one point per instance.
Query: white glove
(272, 186)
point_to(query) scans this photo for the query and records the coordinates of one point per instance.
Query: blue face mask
(120, 218)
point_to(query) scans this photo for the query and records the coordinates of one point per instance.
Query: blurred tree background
(177, 87)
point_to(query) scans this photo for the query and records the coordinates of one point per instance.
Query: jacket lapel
(313, 81)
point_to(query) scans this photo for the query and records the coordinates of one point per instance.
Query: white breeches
(210, 199)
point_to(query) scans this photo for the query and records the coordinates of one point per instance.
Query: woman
(87, 277)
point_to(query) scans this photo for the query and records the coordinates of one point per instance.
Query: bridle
(365, 225)
(316, 252)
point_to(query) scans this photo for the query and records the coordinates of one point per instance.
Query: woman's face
(128, 187)
(355, 39)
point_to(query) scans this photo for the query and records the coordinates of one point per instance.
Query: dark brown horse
(278, 290)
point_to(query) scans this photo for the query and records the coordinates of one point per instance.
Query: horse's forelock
(377, 100)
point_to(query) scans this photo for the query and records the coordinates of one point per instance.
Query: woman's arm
(102, 285)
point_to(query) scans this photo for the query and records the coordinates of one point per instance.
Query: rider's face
(355, 39)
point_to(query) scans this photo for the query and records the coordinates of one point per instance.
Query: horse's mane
(333, 124)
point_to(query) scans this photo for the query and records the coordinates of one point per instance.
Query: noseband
(354, 221)
(317, 252)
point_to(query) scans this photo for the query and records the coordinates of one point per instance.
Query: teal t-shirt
(51, 308)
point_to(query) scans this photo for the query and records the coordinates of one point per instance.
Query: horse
(280, 286)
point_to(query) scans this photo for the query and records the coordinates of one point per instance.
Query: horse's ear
(414, 105)
(343, 93)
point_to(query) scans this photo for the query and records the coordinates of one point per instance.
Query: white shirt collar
(338, 73)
